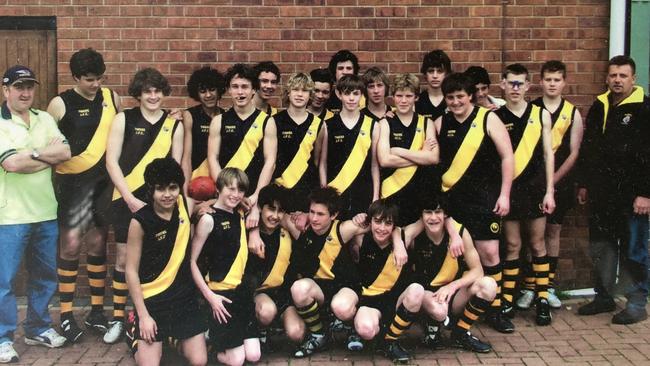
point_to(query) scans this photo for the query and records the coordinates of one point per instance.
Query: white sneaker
(553, 300)
(8, 353)
(525, 300)
(50, 338)
(115, 332)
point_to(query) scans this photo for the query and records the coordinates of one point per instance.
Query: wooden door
(35, 49)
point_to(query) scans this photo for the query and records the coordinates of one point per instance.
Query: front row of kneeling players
(300, 276)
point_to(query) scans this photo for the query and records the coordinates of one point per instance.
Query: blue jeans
(37, 242)
(635, 264)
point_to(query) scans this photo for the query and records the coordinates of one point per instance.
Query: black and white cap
(17, 74)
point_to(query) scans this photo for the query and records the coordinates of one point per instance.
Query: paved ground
(569, 340)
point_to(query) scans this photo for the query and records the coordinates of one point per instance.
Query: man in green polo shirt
(30, 144)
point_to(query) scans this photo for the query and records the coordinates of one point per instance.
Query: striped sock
(120, 293)
(541, 268)
(97, 279)
(529, 276)
(401, 322)
(496, 274)
(67, 272)
(510, 274)
(552, 261)
(474, 309)
(311, 315)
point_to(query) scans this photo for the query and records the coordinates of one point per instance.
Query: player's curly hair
(322, 76)
(148, 78)
(267, 66)
(436, 58)
(87, 61)
(458, 81)
(478, 74)
(205, 78)
(162, 172)
(298, 80)
(406, 81)
(342, 56)
(327, 196)
(271, 194)
(244, 72)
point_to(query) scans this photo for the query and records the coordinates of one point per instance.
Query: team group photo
(341, 206)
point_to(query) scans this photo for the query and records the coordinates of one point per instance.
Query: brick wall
(177, 36)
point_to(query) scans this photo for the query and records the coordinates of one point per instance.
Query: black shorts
(281, 296)
(385, 303)
(180, 321)
(121, 215)
(481, 224)
(565, 198)
(241, 325)
(526, 199)
(83, 199)
(331, 287)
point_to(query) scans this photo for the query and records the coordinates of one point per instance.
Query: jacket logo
(161, 235)
(626, 119)
(225, 225)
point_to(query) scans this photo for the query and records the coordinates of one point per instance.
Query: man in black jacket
(615, 171)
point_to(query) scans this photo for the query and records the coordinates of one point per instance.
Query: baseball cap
(17, 74)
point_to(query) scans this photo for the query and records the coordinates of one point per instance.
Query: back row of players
(486, 158)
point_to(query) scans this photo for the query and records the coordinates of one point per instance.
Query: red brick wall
(301, 34)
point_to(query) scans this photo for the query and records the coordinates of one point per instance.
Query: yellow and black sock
(552, 262)
(97, 280)
(541, 269)
(312, 317)
(474, 309)
(497, 275)
(401, 322)
(120, 293)
(529, 276)
(510, 275)
(67, 271)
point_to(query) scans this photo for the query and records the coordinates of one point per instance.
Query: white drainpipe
(617, 22)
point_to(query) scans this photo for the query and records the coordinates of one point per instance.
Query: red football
(202, 188)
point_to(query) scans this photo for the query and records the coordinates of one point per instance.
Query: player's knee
(71, 245)
(487, 288)
(253, 355)
(232, 358)
(366, 328)
(436, 310)
(265, 312)
(413, 297)
(295, 331)
(300, 291)
(197, 359)
(343, 308)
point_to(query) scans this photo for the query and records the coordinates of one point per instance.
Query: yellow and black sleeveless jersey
(241, 144)
(349, 153)
(200, 132)
(432, 264)
(227, 251)
(271, 110)
(325, 114)
(526, 137)
(143, 142)
(562, 120)
(405, 185)
(272, 270)
(86, 124)
(469, 162)
(323, 257)
(164, 269)
(423, 106)
(295, 167)
(377, 269)
(374, 117)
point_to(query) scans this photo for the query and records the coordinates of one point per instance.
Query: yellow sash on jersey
(300, 161)
(329, 253)
(562, 124)
(466, 152)
(529, 141)
(97, 146)
(357, 157)
(167, 276)
(249, 144)
(276, 276)
(402, 176)
(328, 114)
(635, 97)
(236, 272)
(160, 147)
(449, 268)
(386, 279)
(202, 170)
(274, 111)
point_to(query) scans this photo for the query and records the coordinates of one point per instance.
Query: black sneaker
(500, 322)
(311, 345)
(354, 343)
(543, 310)
(96, 320)
(469, 342)
(393, 351)
(70, 330)
(627, 316)
(433, 338)
(597, 306)
(508, 311)
(265, 341)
